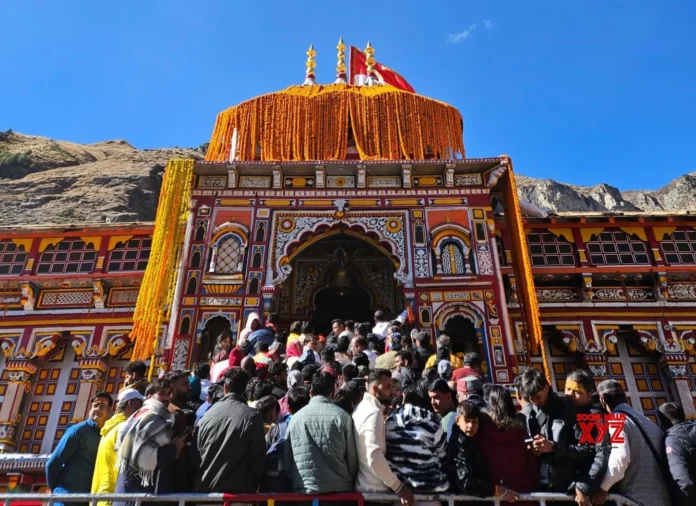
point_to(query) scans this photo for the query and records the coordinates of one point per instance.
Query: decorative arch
(451, 230)
(293, 232)
(229, 227)
(196, 259)
(469, 311)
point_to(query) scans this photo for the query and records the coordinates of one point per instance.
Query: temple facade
(354, 199)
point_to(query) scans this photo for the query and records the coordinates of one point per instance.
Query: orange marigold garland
(311, 123)
(157, 289)
(522, 265)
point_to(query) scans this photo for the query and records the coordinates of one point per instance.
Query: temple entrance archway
(340, 275)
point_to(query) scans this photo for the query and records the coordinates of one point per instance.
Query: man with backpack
(636, 467)
(275, 478)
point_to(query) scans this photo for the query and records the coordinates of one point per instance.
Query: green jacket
(320, 449)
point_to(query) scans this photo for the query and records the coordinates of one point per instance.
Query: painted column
(674, 365)
(20, 372)
(91, 371)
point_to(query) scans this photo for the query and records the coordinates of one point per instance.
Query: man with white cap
(106, 469)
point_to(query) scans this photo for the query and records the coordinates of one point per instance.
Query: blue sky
(580, 91)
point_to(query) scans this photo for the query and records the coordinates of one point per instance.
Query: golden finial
(370, 62)
(309, 75)
(341, 66)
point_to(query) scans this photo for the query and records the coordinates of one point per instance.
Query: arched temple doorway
(339, 275)
(215, 328)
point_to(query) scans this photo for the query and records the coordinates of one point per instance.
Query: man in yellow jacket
(106, 468)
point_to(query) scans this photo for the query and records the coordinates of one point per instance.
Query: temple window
(196, 259)
(192, 286)
(548, 250)
(131, 255)
(679, 247)
(419, 233)
(69, 255)
(254, 286)
(229, 256)
(501, 251)
(12, 258)
(617, 248)
(260, 232)
(452, 258)
(256, 262)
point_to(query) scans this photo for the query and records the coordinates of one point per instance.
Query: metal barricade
(270, 499)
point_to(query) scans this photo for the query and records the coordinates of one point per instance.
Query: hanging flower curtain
(311, 123)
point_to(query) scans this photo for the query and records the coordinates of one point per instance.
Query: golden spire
(309, 74)
(370, 62)
(341, 65)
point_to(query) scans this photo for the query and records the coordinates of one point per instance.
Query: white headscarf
(244, 334)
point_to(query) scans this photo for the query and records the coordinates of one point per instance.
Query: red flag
(385, 75)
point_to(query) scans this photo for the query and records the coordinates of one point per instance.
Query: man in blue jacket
(265, 334)
(70, 467)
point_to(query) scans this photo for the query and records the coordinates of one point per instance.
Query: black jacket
(557, 422)
(231, 448)
(589, 468)
(464, 466)
(680, 446)
(421, 356)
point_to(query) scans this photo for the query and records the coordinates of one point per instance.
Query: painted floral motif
(421, 263)
(254, 182)
(467, 179)
(556, 294)
(181, 349)
(681, 291)
(485, 261)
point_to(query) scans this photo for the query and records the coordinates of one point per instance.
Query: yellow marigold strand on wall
(157, 289)
(522, 266)
(311, 123)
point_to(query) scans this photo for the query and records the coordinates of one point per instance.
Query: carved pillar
(91, 371)
(406, 174)
(319, 172)
(99, 295)
(19, 384)
(674, 365)
(232, 177)
(588, 293)
(362, 179)
(213, 258)
(277, 177)
(28, 298)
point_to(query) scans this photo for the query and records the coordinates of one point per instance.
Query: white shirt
(374, 473)
(619, 459)
(380, 329)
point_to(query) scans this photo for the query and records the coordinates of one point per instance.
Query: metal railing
(270, 499)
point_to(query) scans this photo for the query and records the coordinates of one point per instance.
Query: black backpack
(275, 478)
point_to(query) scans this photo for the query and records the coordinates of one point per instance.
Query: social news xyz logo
(612, 423)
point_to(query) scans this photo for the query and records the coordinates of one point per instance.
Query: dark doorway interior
(214, 329)
(463, 334)
(332, 302)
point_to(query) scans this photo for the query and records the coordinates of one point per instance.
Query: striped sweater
(417, 448)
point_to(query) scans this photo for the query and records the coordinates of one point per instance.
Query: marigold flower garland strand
(311, 123)
(157, 289)
(522, 265)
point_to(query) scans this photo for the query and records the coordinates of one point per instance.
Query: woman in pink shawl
(219, 369)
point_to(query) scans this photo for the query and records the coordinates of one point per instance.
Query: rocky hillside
(44, 181)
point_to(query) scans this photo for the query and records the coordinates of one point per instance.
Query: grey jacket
(320, 449)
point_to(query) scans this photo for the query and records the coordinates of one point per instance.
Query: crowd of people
(369, 408)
